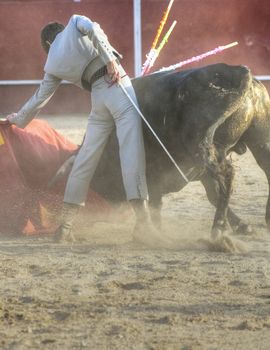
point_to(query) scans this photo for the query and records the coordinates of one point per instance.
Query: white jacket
(70, 53)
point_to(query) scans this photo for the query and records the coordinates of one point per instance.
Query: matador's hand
(10, 117)
(4, 121)
(113, 71)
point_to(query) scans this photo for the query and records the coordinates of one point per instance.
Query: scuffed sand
(107, 292)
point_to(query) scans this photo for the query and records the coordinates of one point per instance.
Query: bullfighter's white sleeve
(42, 95)
(97, 36)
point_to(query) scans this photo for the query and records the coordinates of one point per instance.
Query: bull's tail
(239, 96)
(215, 159)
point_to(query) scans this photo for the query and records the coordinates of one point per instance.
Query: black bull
(200, 115)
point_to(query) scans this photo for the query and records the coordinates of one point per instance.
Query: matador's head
(48, 34)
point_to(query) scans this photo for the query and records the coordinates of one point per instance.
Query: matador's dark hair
(49, 32)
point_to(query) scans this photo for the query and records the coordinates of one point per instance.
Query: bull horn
(62, 171)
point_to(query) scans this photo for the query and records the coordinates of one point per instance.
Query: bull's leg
(143, 215)
(212, 191)
(262, 155)
(222, 171)
(154, 182)
(144, 231)
(224, 178)
(238, 225)
(155, 205)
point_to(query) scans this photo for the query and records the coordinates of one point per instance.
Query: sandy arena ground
(110, 293)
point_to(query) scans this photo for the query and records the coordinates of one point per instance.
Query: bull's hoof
(224, 244)
(216, 233)
(243, 229)
(64, 235)
(219, 229)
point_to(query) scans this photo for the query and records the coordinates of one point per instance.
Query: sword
(154, 133)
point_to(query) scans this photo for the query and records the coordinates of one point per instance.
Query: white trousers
(110, 108)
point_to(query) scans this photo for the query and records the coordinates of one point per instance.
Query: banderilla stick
(153, 132)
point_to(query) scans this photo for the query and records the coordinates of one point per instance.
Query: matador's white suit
(79, 54)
